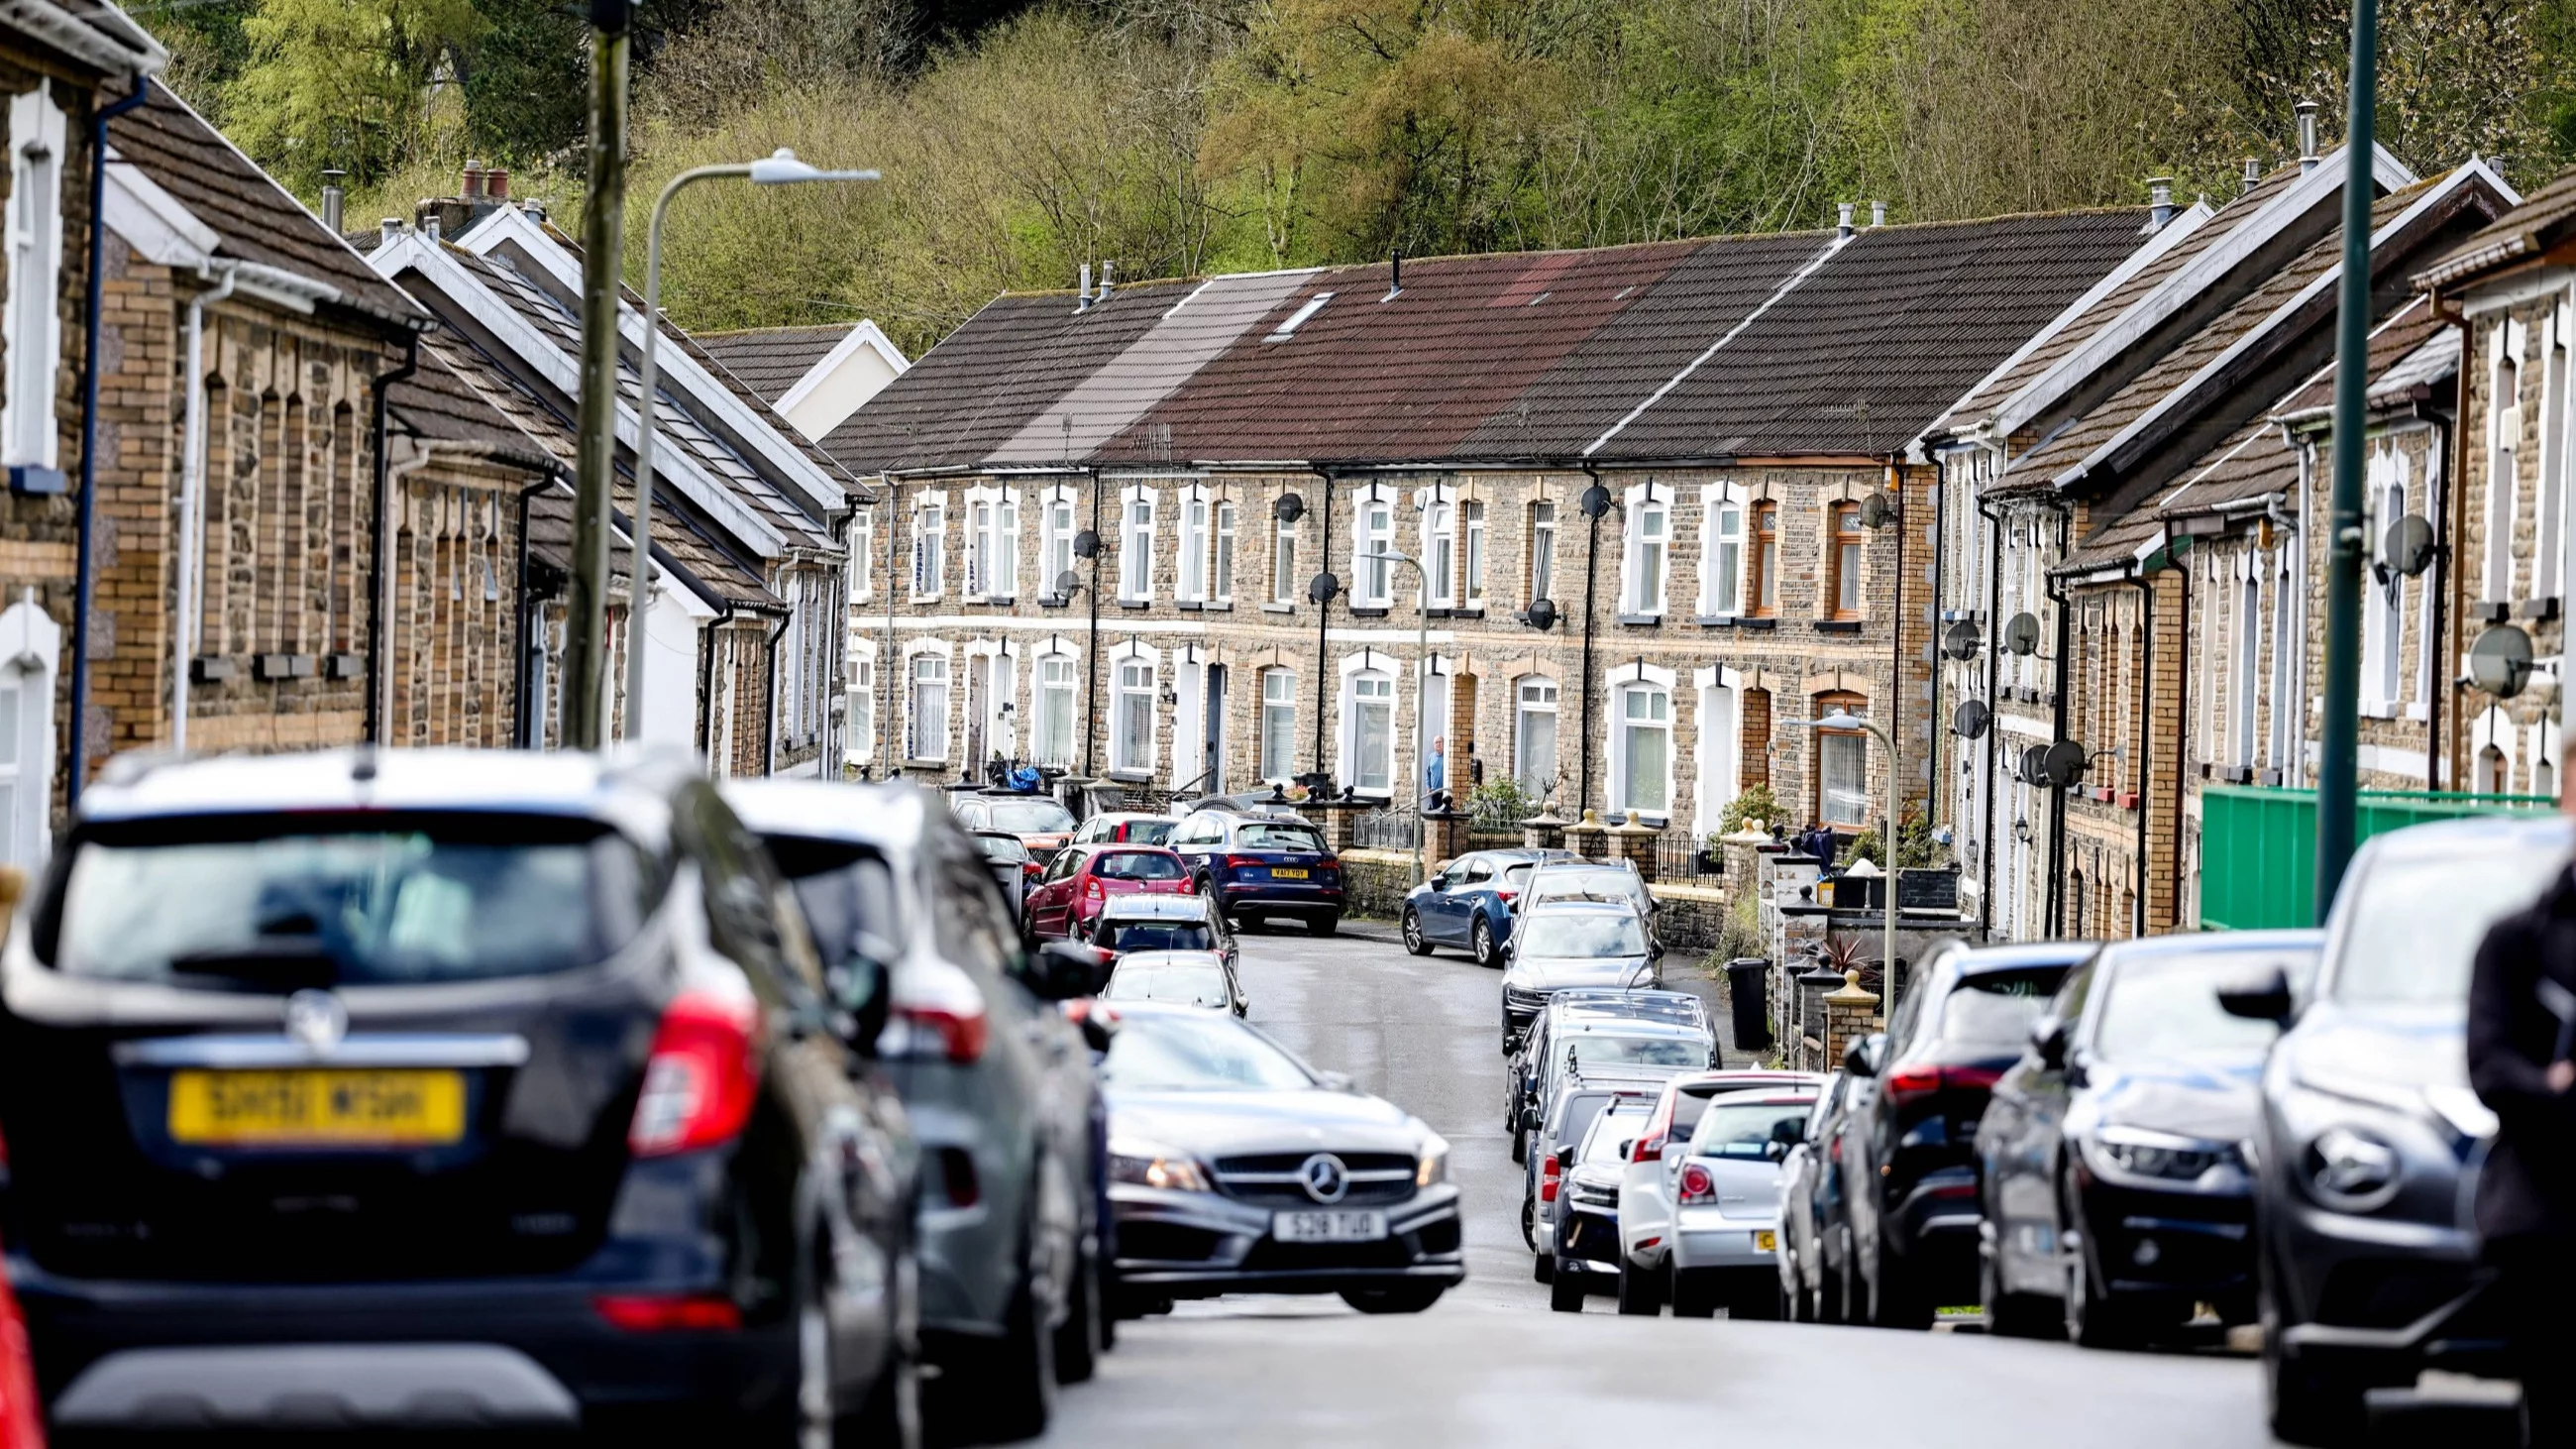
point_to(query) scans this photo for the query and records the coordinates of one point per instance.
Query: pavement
(1491, 1366)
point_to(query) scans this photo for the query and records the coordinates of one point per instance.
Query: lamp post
(1845, 720)
(779, 168)
(1422, 682)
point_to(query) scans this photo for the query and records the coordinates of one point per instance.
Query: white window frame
(1542, 551)
(2504, 459)
(1645, 682)
(863, 551)
(1283, 561)
(1138, 510)
(1646, 565)
(914, 721)
(1372, 531)
(859, 745)
(31, 646)
(31, 319)
(2549, 549)
(1197, 534)
(1535, 695)
(1278, 707)
(1046, 694)
(1859, 742)
(992, 545)
(1221, 569)
(1126, 695)
(929, 547)
(1001, 690)
(1725, 513)
(1057, 525)
(2248, 643)
(2383, 605)
(1368, 676)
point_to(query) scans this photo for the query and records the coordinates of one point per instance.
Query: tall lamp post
(2338, 748)
(1421, 683)
(779, 168)
(1846, 722)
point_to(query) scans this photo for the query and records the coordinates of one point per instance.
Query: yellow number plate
(317, 1108)
(1766, 1242)
(1282, 872)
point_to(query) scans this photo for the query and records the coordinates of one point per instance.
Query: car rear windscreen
(1031, 817)
(1137, 865)
(1279, 835)
(1198, 985)
(1146, 832)
(1747, 1129)
(1002, 847)
(1582, 935)
(848, 892)
(1654, 1051)
(367, 899)
(2166, 1010)
(1996, 1008)
(1158, 936)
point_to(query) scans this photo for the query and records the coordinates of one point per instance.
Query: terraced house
(1650, 507)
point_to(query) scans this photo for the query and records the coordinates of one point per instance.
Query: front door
(979, 685)
(1215, 754)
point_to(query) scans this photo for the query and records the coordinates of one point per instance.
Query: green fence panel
(2258, 845)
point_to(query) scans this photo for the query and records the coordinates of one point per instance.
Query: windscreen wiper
(272, 963)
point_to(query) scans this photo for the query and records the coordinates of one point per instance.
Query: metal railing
(1681, 856)
(1391, 828)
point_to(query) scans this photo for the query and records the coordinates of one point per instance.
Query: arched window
(1059, 675)
(1369, 719)
(1534, 735)
(1131, 730)
(2491, 771)
(1642, 765)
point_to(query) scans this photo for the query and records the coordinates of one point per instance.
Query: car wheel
(891, 1415)
(1520, 1143)
(2011, 1315)
(1078, 1342)
(1324, 925)
(1403, 1298)
(1529, 1225)
(1564, 1289)
(1693, 1297)
(1414, 940)
(1480, 943)
(2093, 1320)
(1015, 1394)
(1543, 1267)
(1641, 1293)
(1893, 1301)
(2310, 1404)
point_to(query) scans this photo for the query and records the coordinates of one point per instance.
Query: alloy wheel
(1480, 940)
(1413, 940)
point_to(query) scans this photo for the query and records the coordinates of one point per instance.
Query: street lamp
(779, 168)
(1844, 720)
(1422, 682)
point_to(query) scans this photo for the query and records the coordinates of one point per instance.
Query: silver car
(1570, 943)
(1191, 978)
(1725, 1191)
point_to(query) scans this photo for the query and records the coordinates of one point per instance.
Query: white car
(1725, 1191)
(1645, 1201)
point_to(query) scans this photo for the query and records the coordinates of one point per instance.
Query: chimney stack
(388, 229)
(2307, 135)
(1394, 273)
(471, 189)
(334, 199)
(1878, 213)
(1082, 291)
(1108, 270)
(2160, 203)
(2253, 173)
(1843, 219)
(496, 184)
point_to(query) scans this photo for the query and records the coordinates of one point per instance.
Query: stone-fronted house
(63, 63)
(1107, 520)
(745, 622)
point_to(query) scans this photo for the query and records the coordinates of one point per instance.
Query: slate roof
(437, 404)
(771, 360)
(257, 219)
(2413, 328)
(2541, 222)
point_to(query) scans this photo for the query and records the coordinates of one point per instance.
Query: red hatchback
(1067, 899)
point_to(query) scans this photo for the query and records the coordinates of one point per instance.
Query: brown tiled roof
(1882, 338)
(2254, 462)
(2392, 342)
(771, 360)
(2540, 223)
(256, 219)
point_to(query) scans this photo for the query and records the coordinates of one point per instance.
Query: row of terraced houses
(2031, 494)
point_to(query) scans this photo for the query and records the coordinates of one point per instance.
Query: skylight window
(1297, 319)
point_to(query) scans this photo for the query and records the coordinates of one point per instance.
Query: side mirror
(1655, 950)
(1063, 970)
(862, 989)
(1776, 1151)
(2265, 998)
(1439, 885)
(1861, 1057)
(2048, 1039)
(1529, 1119)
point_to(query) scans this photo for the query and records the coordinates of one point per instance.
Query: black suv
(1908, 1157)
(446, 1086)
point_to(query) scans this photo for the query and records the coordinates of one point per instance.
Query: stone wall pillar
(1635, 843)
(1588, 837)
(1543, 831)
(1850, 1014)
(1337, 819)
(1446, 834)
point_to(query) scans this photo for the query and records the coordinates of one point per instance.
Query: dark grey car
(997, 1081)
(2367, 1145)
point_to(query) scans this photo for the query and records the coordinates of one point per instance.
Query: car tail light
(1091, 889)
(1909, 1084)
(961, 1032)
(1244, 862)
(668, 1313)
(1189, 885)
(1698, 1185)
(21, 1421)
(1507, 897)
(1030, 867)
(1550, 1173)
(957, 1179)
(703, 1073)
(1650, 1143)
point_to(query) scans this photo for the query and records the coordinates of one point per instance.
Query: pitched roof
(2540, 223)
(770, 360)
(256, 219)
(440, 405)
(2414, 335)
(92, 32)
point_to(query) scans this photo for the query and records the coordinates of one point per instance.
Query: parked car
(1166, 923)
(1468, 902)
(1040, 821)
(1083, 878)
(1260, 867)
(1725, 1191)
(1572, 878)
(2115, 1196)
(1192, 978)
(1236, 1168)
(1573, 944)
(2368, 1136)
(1014, 869)
(1908, 1152)
(997, 1082)
(351, 1047)
(1810, 1291)
(1645, 1197)
(1584, 1237)
(1552, 1146)
(22, 1415)
(1125, 827)
(1637, 1033)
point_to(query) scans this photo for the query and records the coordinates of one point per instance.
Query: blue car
(1468, 903)
(1257, 867)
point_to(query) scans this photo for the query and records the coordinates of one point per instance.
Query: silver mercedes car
(1236, 1168)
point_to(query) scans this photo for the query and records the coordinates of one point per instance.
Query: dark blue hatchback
(1256, 867)
(1469, 902)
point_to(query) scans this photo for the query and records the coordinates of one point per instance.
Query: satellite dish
(1970, 719)
(1960, 640)
(1877, 511)
(1289, 508)
(1065, 584)
(2409, 546)
(1086, 544)
(1542, 614)
(1325, 588)
(2500, 661)
(2064, 764)
(1595, 501)
(2021, 635)
(2032, 768)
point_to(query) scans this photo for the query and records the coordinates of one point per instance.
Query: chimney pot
(2307, 134)
(429, 226)
(1082, 292)
(1108, 271)
(2253, 173)
(334, 198)
(1878, 213)
(471, 189)
(389, 228)
(496, 184)
(2160, 202)
(1843, 218)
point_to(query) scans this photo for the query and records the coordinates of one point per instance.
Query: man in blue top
(1435, 772)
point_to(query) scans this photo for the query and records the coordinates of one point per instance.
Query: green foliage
(1501, 803)
(1915, 847)
(1864, 846)
(1740, 935)
(1756, 803)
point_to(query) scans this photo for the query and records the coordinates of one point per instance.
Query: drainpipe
(2437, 677)
(2182, 725)
(1323, 619)
(1091, 660)
(2145, 585)
(1994, 720)
(380, 578)
(2057, 731)
(192, 484)
(1936, 789)
(769, 662)
(82, 586)
(1896, 677)
(1591, 579)
(531, 619)
(887, 663)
